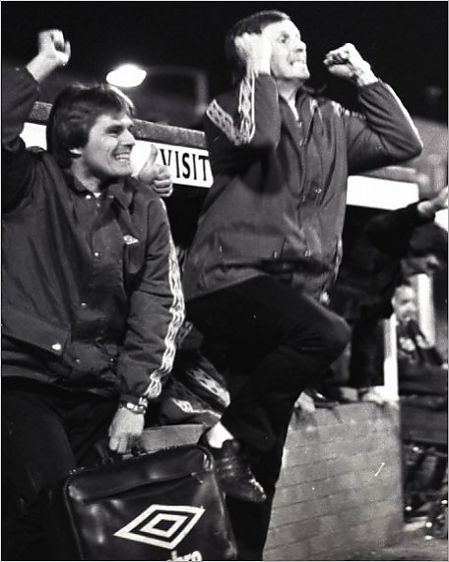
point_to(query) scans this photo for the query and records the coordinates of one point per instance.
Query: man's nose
(300, 46)
(128, 138)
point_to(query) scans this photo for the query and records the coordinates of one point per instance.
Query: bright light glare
(126, 76)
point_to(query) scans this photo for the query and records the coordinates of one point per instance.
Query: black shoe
(336, 394)
(234, 474)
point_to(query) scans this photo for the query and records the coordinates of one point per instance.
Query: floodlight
(126, 76)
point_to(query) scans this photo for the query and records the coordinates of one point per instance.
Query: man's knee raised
(336, 336)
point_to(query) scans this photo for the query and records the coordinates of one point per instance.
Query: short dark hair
(75, 111)
(251, 24)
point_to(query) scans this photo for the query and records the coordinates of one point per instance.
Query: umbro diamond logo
(162, 525)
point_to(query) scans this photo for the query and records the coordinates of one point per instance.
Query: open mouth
(122, 157)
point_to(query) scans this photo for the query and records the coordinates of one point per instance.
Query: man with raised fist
(91, 299)
(267, 247)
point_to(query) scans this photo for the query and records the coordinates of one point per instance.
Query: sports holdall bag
(164, 505)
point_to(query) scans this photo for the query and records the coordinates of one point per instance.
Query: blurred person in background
(421, 366)
(389, 248)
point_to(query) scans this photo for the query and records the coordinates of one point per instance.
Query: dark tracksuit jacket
(278, 199)
(91, 296)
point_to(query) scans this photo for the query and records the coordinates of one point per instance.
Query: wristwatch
(139, 408)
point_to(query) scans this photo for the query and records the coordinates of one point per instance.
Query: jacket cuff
(24, 75)
(372, 85)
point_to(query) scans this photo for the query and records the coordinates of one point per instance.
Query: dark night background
(405, 42)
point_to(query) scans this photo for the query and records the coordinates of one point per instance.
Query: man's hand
(54, 51)
(440, 201)
(54, 47)
(156, 176)
(255, 50)
(428, 207)
(346, 62)
(125, 430)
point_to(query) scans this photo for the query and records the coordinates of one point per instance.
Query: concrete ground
(413, 545)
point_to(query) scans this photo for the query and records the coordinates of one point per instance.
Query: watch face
(135, 408)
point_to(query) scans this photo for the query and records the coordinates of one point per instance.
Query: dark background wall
(406, 42)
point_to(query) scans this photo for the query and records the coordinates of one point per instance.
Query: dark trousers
(46, 432)
(367, 353)
(284, 340)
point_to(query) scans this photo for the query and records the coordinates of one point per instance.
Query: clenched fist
(346, 62)
(54, 51)
(53, 46)
(255, 50)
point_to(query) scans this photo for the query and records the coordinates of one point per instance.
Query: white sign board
(377, 193)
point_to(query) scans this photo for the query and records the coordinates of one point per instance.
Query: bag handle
(106, 456)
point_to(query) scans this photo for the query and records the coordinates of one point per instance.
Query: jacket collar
(119, 190)
(122, 193)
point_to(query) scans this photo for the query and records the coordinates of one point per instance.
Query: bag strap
(106, 456)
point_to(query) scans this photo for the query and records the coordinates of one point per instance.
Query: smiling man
(91, 299)
(268, 246)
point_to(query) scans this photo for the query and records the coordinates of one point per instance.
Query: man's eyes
(285, 38)
(117, 131)
(114, 131)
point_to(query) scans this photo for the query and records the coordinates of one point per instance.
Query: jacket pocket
(133, 262)
(134, 257)
(27, 328)
(240, 248)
